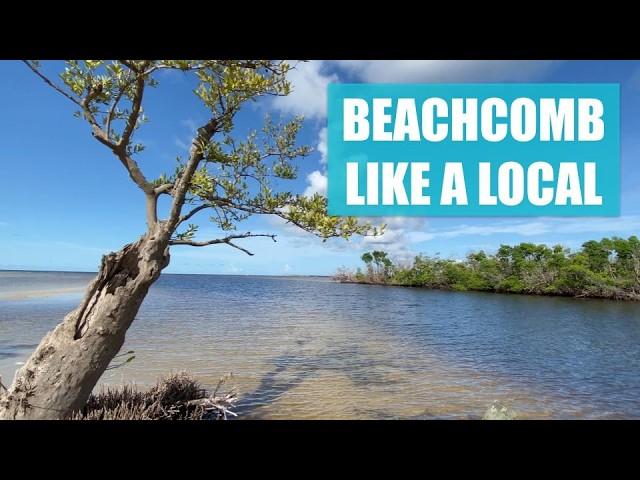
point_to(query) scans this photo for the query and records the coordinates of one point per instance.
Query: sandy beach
(34, 294)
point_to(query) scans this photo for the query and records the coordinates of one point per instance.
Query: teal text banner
(474, 149)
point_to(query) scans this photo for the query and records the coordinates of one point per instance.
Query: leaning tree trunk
(61, 373)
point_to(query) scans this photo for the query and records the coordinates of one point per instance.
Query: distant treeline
(609, 268)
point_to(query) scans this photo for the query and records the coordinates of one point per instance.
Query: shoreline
(442, 289)
(36, 294)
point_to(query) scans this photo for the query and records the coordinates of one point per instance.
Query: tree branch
(152, 208)
(113, 106)
(135, 111)
(254, 209)
(120, 149)
(225, 240)
(196, 155)
(51, 84)
(164, 188)
(134, 171)
(195, 210)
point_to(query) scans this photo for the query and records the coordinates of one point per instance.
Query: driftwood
(177, 397)
(218, 405)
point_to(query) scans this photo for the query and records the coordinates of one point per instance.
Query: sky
(65, 200)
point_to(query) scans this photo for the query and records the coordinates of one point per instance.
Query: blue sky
(65, 200)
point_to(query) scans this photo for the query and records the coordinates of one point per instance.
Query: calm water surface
(311, 348)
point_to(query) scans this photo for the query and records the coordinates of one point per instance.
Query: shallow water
(310, 348)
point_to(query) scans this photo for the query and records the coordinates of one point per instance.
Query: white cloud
(396, 228)
(309, 90)
(614, 226)
(403, 234)
(318, 179)
(446, 70)
(287, 268)
(317, 183)
(397, 237)
(322, 145)
(309, 79)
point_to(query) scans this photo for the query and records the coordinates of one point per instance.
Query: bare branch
(225, 240)
(197, 209)
(201, 66)
(135, 109)
(164, 66)
(240, 248)
(134, 171)
(113, 106)
(51, 84)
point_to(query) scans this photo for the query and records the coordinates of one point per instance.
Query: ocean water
(309, 348)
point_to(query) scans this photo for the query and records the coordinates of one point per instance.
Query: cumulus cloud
(396, 240)
(318, 179)
(404, 234)
(411, 71)
(309, 90)
(397, 237)
(310, 79)
(317, 184)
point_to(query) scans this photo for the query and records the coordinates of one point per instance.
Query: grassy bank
(607, 268)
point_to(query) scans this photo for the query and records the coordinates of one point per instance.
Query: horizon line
(175, 273)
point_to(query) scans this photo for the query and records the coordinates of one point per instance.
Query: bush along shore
(608, 268)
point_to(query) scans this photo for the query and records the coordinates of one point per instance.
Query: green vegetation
(609, 268)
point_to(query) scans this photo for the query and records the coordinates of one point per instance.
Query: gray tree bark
(61, 373)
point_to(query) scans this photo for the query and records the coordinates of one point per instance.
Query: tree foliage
(608, 268)
(229, 177)
(378, 265)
